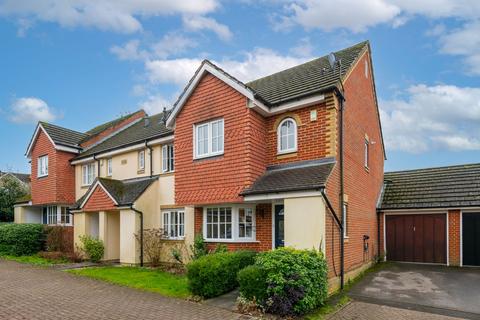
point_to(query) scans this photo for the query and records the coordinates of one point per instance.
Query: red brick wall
(59, 185)
(454, 237)
(110, 130)
(311, 135)
(99, 201)
(263, 230)
(219, 179)
(361, 186)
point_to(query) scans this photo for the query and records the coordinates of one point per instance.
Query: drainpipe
(151, 157)
(378, 234)
(98, 165)
(141, 233)
(341, 98)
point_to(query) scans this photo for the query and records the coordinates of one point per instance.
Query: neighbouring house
(432, 216)
(259, 162)
(52, 176)
(254, 165)
(23, 178)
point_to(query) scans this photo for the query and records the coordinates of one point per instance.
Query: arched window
(287, 136)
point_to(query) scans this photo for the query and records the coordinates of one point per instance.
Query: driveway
(28, 292)
(434, 289)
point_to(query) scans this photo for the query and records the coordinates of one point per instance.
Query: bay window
(174, 224)
(42, 166)
(56, 215)
(209, 138)
(88, 174)
(234, 223)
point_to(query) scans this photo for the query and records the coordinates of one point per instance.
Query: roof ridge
(363, 43)
(57, 126)
(128, 115)
(434, 168)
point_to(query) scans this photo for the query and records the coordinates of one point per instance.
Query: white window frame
(279, 137)
(168, 158)
(366, 153)
(88, 174)
(209, 139)
(141, 160)
(235, 223)
(109, 167)
(167, 224)
(54, 215)
(42, 166)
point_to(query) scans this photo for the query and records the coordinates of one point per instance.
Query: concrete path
(28, 292)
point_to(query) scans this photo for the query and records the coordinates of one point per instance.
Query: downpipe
(141, 233)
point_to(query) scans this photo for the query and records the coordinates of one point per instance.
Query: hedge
(215, 274)
(295, 281)
(21, 239)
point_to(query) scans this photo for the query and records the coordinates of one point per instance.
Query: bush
(59, 239)
(93, 248)
(153, 243)
(199, 247)
(21, 239)
(253, 283)
(215, 274)
(296, 279)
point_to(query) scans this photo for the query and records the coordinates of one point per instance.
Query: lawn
(33, 259)
(146, 279)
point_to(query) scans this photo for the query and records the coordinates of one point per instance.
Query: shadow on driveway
(436, 289)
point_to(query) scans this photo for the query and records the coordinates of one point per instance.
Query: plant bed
(147, 279)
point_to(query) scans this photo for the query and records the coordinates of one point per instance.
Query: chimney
(147, 122)
(164, 115)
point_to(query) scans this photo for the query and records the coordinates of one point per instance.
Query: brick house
(260, 162)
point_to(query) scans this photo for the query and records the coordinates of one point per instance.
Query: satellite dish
(332, 60)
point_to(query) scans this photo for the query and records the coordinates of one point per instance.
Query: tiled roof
(305, 79)
(144, 129)
(125, 192)
(100, 128)
(63, 136)
(444, 187)
(298, 176)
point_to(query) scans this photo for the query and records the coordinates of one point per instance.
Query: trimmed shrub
(296, 281)
(21, 239)
(215, 274)
(253, 283)
(93, 248)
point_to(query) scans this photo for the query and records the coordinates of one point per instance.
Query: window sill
(167, 173)
(42, 177)
(231, 241)
(140, 171)
(175, 239)
(85, 186)
(285, 155)
(209, 156)
(367, 169)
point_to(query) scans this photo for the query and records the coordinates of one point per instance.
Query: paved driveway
(28, 292)
(435, 289)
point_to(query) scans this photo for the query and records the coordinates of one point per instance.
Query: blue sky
(80, 63)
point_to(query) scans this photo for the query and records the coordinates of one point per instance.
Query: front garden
(284, 282)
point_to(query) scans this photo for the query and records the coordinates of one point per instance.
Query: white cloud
(198, 23)
(464, 42)
(358, 16)
(303, 49)
(155, 104)
(116, 15)
(256, 64)
(432, 117)
(129, 51)
(31, 110)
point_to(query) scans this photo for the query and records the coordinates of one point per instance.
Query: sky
(79, 63)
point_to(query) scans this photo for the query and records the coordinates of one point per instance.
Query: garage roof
(443, 187)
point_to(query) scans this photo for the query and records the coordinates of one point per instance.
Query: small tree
(153, 242)
(10, 190)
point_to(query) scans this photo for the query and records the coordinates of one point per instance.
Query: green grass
(140, 278)
(33, 259)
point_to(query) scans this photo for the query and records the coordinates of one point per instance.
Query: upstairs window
(141, 160)
(287, 136)
(167, 158)
(109, 167)
(209, 139)
(88, 174)
(42, 166)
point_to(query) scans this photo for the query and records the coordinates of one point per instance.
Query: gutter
(141, 232)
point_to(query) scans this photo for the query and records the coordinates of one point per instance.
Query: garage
(420, 238)
(471, 239)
